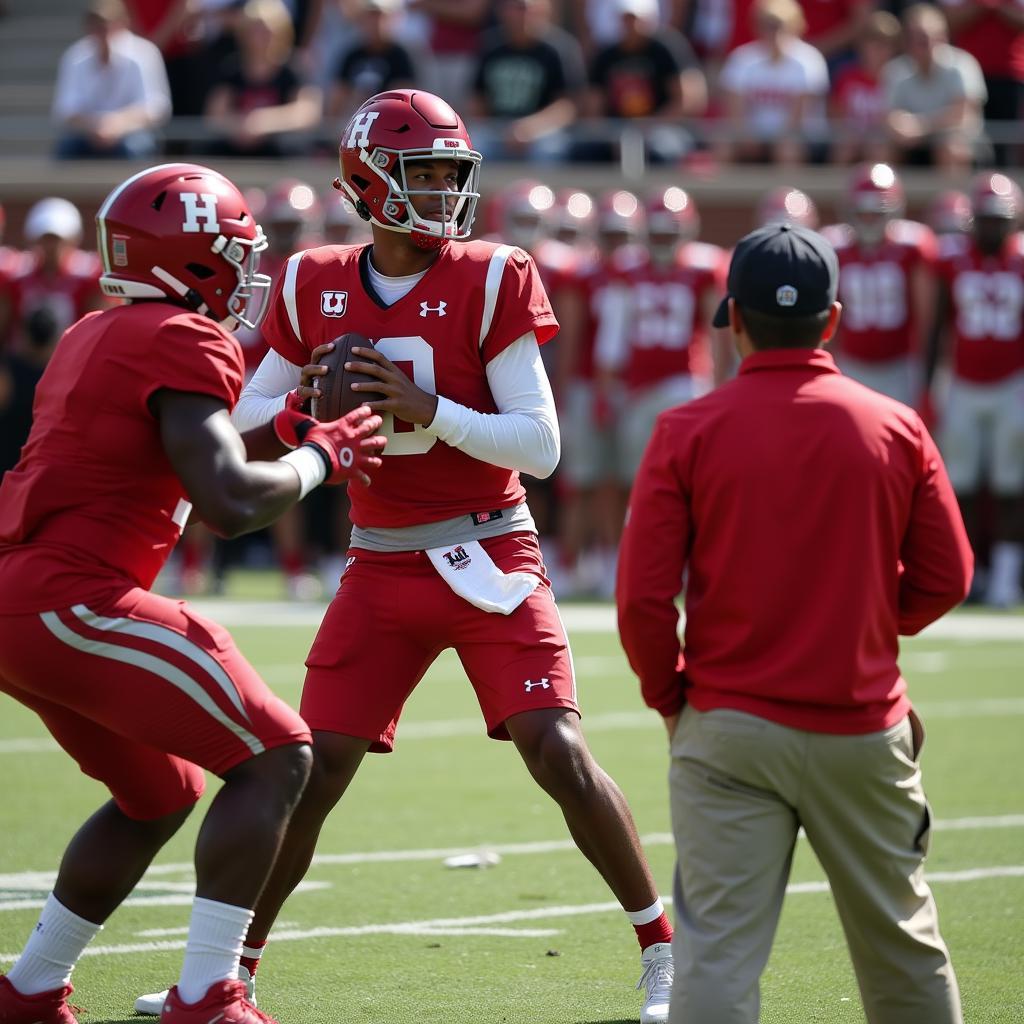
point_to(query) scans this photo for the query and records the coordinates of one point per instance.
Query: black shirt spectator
(636, 82)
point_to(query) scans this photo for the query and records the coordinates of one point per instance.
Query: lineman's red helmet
(620, 213)
(950, 213)
(673, 212)
(525, 209)
(995, 195)
(574, 212)
(787, 205)
(185, 233)
(875, 188)
(391, 130)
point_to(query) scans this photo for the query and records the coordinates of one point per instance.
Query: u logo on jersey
(439, 309)
(196, 212)
(333, 303)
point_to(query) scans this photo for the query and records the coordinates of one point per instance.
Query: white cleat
(151, 1005)
(656, 982)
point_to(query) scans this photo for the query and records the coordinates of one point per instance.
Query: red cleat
(224, 1003)
(43, 1008)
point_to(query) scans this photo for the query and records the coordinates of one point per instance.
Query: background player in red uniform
(886, 286)
(456, 328)
(131, 423)
(981, 319)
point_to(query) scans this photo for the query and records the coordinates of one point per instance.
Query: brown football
(336, 395)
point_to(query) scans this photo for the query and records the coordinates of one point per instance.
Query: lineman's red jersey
(94, 491)
(471, 304)
(667, 336)
(879, 320)
(987, 295)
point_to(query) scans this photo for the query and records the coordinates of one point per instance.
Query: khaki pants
(740, 788)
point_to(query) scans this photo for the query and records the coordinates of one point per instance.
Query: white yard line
(485, 924)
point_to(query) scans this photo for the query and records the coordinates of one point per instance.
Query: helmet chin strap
(192, 297)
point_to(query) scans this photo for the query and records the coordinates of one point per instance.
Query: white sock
(1006, 561)
(648, 914)
(215, 936)
(52, 949)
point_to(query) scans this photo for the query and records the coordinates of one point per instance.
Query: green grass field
(385, 931)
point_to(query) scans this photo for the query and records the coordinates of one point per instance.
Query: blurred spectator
(12, 262)
(858, 104)
(949, 213)
(528, 80)
(453, 30)
(596, 23)
(111, 92)
(376, 61)
(833, 26)
(648, 74)
(773, 90)
(935, 94)
(262, 102)
(992, 31)
(56, 276)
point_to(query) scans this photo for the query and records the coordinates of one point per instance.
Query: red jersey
(816, 522)
(987, 296)
(879, 319)
(667, 335)
(996, 45)
(825, 16)
(470, 305)
(94, 497)
(859, 98)
(69, 294)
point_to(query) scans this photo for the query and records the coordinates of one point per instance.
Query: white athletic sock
(648, 914)
(52, 949)
(215, 936)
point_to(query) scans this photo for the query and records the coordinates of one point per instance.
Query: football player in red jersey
(659, 345)
(981, 318)
(886, 285)
(949, 213)
(456, 328)
(787, 205)
(131, 425)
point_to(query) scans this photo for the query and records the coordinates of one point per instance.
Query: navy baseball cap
(782, 270)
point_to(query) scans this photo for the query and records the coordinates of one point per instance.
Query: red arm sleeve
(192, 353)
(937, 559)
(522, 306)
(651, 561)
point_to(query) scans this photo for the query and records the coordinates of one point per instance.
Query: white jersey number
(415, 358)
(988, 305)
(663, 315)
(874, 296)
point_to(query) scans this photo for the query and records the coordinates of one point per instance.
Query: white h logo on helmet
(196, 212)
(359, 129)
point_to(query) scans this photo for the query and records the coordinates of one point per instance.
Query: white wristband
(309, 465)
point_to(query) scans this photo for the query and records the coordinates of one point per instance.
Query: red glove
(291, 426)
(348, 446)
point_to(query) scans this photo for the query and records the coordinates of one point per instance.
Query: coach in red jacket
(815, 523)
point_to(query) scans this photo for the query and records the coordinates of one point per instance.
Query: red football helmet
(995, 195)
(290, 201)
(390, 131)
(574, 214)
(620, 213)
(524, 210)
(787, 205)
(950, 213)
(875, 188)
(185, 233)
(673, 212)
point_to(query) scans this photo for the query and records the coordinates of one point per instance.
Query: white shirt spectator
(134, 77)
(770, 87)
(955, 75)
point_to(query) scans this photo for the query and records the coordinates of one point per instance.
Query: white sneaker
(656, 981)
(152, 1004)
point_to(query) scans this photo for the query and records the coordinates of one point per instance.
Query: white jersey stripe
(291, 273)
(495, 270)
(169, 638)
(150, 663)
(568, 649)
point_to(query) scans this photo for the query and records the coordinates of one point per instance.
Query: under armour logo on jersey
(333, 303)
(359, 129)
(543, 683)
(457, 558)
(196, 212)
(439, 309)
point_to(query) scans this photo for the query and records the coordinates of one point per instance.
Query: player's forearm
(514, 440)
(264, 396)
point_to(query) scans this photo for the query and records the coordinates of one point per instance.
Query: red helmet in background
(185, 233)
(620, 213)
(995, 195)
(290, 201)
(574, 214)
(673, 212)
(524, 212)
(385, 134)
(949, 213)
(787, 205)
(875, 188)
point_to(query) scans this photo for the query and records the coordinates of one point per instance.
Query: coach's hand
(404, 399)
(346, 445)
